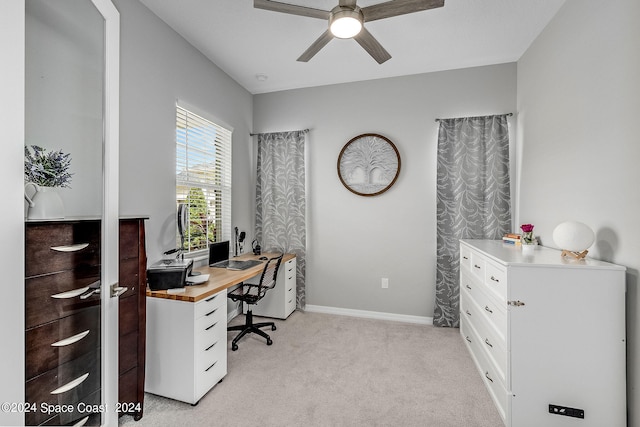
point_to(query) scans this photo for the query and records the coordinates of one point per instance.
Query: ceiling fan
(347, 21)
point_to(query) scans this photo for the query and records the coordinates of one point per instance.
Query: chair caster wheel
(269, 342)
(234, 347)
(273, 328)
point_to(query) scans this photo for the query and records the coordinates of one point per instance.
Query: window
(203, 179)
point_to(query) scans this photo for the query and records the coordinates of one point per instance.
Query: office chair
(251, 293)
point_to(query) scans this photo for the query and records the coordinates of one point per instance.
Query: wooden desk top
(219, 279)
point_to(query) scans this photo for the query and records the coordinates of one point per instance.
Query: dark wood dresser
(62, 321)
(132, 316)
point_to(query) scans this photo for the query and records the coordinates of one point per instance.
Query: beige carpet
(327, 370)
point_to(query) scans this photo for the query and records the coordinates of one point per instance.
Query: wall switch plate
(385, 283)
(566, 411)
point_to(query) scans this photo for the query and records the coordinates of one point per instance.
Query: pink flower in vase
(527, 234)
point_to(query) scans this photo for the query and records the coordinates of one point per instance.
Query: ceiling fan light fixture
(345, 23)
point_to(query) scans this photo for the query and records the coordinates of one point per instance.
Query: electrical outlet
(385, 283)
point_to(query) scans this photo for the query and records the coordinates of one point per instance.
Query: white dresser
(186, 346)
(547, 334)
(280, 301)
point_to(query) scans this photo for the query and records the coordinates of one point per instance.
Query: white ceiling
(245, 42)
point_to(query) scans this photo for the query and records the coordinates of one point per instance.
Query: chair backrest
(269, 275)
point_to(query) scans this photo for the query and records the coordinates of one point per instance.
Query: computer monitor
(218, 251)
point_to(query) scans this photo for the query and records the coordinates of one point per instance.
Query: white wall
(579, 103)
(354, 241)
(12, 213)
(159, 67)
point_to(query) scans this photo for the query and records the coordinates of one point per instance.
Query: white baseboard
(370, 314)
(233, 313)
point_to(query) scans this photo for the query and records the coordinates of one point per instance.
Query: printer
(169, 273)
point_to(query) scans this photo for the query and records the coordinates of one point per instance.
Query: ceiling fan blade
(291, 9)
(315, 47)
(398, 7)
(348, 3)
(371, 45)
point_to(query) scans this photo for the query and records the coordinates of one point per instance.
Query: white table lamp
(574, 238)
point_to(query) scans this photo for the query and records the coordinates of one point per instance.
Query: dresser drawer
(128, 315)
(127, 352)
(477, 265)
(487, 369)
(489, 341)
(129, 242)
(61, 246)
(496, 281)
(465, 258)
(209, 305)
(60, 341)
(53, 296)
(67, 384)
(483, 309)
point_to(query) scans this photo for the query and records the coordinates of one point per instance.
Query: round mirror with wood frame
(369, 164)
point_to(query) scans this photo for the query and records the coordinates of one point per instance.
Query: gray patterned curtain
(473, 195)
(280, 199)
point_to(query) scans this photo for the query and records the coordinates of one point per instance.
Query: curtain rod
(303, 130)
(508, 114)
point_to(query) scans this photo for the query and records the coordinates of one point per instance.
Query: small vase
(45, 203)
(528, 248)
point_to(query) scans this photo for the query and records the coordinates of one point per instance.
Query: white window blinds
(203, 179)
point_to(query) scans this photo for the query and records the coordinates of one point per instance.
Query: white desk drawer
(209, 304)
(209, 355)
(209, 376)
(209, 329)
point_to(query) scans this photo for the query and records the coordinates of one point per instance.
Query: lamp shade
(573, 236)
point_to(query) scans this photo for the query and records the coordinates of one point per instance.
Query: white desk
(187, 333)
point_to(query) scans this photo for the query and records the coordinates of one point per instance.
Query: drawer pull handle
(289, 289)
(467, 338)
(468, 314)
(70, 248)
(214, 363)
(71, 340)
(476, 266)
(211, 326)
(486, 374)
(71, 385)
(467, 286)
(465, 257)
(81, 422)
(486, 341)
(495, 280)
(212, 298)
(88, 294)
(290, 277)
(71, 294)
(211, 346)
(488, 309)
(211, 312)
(290, 301)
